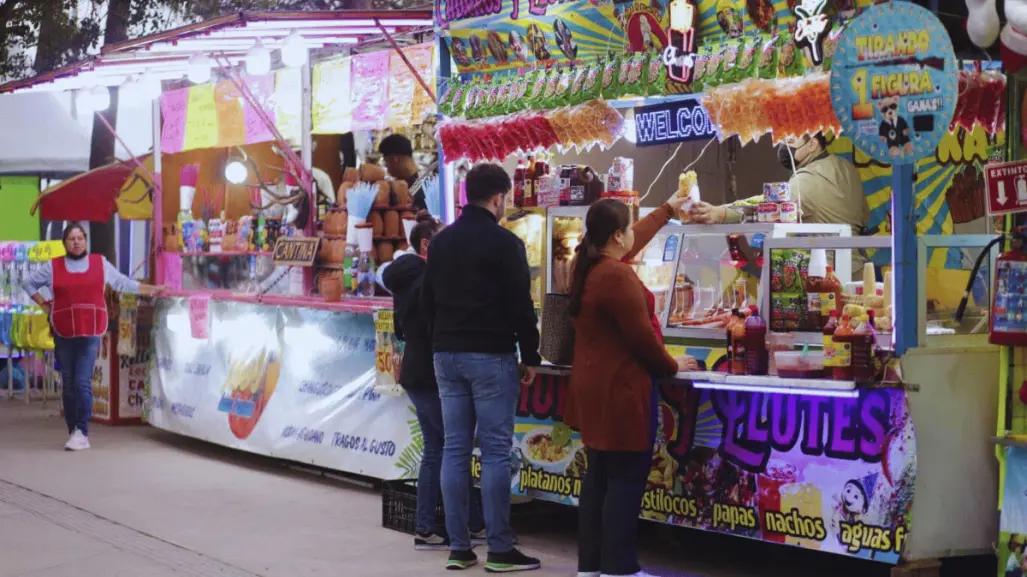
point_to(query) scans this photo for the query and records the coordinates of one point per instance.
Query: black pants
(608, 510)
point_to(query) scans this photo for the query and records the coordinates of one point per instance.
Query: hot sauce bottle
(757, 356)
(736, 343)
(829, 348)
(830, 293)
(519, 180)
(842, 340)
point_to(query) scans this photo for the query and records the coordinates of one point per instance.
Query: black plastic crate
(399, 507)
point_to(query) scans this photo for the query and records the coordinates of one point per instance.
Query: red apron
(79, 309)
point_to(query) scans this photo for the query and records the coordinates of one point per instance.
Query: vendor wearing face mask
(827, 187)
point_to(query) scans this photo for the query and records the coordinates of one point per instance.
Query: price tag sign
(295, 251)
(199, 315)
(388, 349)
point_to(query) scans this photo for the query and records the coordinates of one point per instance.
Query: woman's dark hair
(73, 226)
(603, 220)
(426, 227)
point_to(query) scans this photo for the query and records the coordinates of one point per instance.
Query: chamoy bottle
(528, 196)
(519, 180)
(830, 293)
(841, 370)
(815, 317)
(829, 348)
(757, 356)
(737, 344)
(863, 369)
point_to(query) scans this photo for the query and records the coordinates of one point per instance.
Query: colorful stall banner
(388, 353)
(369, 92)
(894, 82)
(332, 110)
(508, 34)
(825, 473)
(173, 107)
(289, 103)
(292, 383)
(231, 120)
(1012, 562)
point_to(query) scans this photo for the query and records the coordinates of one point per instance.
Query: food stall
(845, 440)
(261, 122)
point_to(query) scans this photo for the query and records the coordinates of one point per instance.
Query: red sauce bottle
(757, 356)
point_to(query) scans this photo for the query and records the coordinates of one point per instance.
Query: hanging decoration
(785, 109)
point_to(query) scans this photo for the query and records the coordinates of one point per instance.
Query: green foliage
(410, 459)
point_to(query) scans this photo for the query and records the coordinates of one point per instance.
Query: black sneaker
(510, 562)
(430, 542)
(460, 560)
(481, 538)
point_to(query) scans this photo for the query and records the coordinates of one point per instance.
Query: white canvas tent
(39, 137)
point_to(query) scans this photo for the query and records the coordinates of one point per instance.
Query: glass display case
(810, 277)
(944, 265)
(237, 272)
(530, 226)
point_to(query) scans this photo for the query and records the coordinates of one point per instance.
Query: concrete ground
(144, 503)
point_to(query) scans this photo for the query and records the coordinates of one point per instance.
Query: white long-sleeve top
(43, 277)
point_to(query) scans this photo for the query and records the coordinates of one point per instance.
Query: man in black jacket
(402, 277)
(477, 297)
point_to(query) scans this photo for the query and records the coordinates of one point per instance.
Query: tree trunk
(102, 145)
(48, 46)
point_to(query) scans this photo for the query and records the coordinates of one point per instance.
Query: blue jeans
(77, 357)
(428, 407)
(478, 389)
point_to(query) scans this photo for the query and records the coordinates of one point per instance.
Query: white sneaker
(589, 574)
(639, 574)
(77, 442)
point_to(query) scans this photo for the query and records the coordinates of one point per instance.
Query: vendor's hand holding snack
(706, 213)
(687, 363)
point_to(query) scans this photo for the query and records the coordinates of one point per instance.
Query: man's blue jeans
(428, 407)
(482, 389)
(77, 357)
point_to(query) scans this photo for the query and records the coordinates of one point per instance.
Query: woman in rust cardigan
(618, 352)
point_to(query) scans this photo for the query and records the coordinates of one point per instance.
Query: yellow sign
(331, 110)
(135, 201)
(201, 121)
(383, 322)
(46, 251)
(288, 103)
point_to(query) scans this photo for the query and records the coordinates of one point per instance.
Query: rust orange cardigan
(617, 352)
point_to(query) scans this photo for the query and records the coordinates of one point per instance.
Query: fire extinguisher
(1007, 318)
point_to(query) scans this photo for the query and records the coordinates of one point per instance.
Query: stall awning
(39, 137)
(165, 56)
(96, 195)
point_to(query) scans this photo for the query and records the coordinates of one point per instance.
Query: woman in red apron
(78, 315)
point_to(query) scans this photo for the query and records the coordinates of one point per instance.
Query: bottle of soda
(757, 356)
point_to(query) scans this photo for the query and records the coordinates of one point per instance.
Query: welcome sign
(680, 121)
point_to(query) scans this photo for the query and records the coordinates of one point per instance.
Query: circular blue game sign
(894, 82)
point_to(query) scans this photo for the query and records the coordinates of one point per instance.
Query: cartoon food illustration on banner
(248, 388)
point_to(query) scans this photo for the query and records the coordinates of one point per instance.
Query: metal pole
(441, 79)
(903, 201)
(157, 226)
(307, 156)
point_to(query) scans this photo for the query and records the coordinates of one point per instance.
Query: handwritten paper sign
(173, 106)
(407, 100)
(263, 90)
(172, 265)
(295, 251)
(199, 315)
(201, 121)
(332, 110)
(288, 103)
(370, 90)
(231, 119)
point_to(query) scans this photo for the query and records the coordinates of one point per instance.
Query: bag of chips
(701, 70)
(729, 65)
(655, 75)
(789, 62)
(768, 57)
(748, 63)
(609, 88)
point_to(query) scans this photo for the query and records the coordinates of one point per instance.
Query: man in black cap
(398, 153)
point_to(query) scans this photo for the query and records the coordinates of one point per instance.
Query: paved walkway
(143, 503)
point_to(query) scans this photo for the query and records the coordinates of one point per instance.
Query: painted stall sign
(893, 82)
(493, 35)
(832, 474)
(680, 121)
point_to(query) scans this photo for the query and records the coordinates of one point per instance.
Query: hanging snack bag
(701, 70)
(609, 86)
(549, 96)
(713, 66)
(563, 87)
(630, 75)
(789, 61)
(450, 97)
(748, 63)
(729, 65)
(471, 99)
(538, 89)
(590, 89)
(502, 97)
(768, 57)
(655, 75)
(831, 45)
(578, 85)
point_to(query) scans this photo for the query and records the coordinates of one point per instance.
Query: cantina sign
(680, 121)
(893, 82)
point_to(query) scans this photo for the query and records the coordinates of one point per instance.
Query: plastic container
(799, 365)
(778, 342)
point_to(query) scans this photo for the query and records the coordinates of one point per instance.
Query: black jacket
(477, 289)
(403, 278)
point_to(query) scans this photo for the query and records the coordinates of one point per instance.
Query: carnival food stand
(815, 456)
